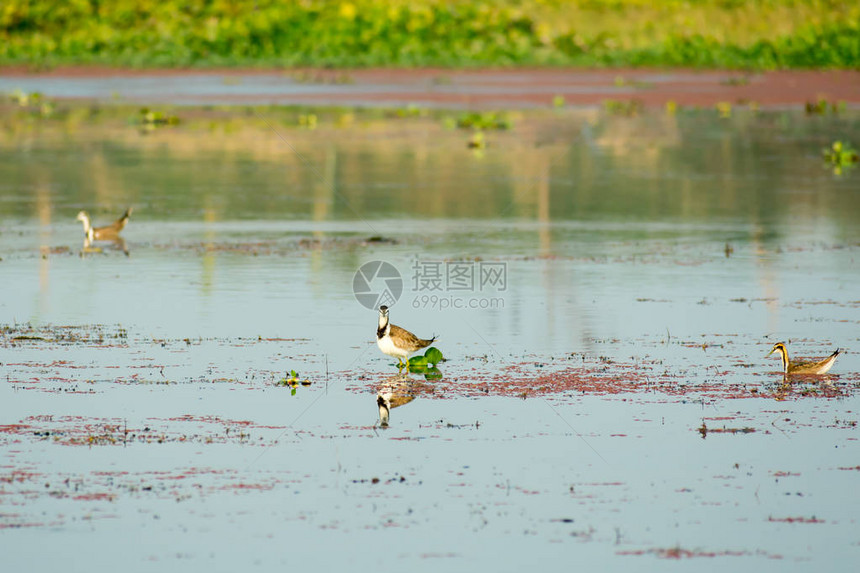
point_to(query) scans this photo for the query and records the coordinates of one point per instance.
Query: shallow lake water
(604, 288)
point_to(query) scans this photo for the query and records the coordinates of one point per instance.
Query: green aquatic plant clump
(427, 363)
(293, 380)
(840, 156)
(761, 34)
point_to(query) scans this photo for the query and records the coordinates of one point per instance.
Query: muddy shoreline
(436, 87)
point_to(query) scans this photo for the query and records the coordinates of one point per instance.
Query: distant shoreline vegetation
(754, 34)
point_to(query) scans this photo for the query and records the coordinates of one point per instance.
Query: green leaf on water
(293, 392)
(433, 374)
(420, 361)
(433, 355)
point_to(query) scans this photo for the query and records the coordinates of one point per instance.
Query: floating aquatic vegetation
(484, 120)
(822, 106)
(26, 333)
(840, 156)
(34, 102)
(411, 110)
(704, 430)
(293, 381)
(626, 108)
(308, 121)
(151, 119)
(427, 363)
(24, 99)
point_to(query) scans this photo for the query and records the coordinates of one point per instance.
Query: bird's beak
(772, 350)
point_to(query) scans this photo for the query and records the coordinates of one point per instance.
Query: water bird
(106, 233)
(395, 341)
(790, 367)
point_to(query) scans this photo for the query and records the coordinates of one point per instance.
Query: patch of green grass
(759, 34)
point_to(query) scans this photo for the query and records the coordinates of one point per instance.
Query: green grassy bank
(756, 34)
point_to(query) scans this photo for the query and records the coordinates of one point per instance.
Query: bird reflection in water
(117, 243)
(395, 391)
(804, 385)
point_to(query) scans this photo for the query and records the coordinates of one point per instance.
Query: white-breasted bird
(395, 341)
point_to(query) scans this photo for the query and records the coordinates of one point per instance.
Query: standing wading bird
(789, 367)
(395, 341)
(106, 233)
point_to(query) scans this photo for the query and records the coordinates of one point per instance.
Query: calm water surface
(647, 266)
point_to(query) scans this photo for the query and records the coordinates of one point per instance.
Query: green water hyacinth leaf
(418, 362)
(433, 374)
(433, 355)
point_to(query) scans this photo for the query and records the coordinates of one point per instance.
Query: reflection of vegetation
(841, 155)
(571, 164)
(427, 364)
(724, 108)
(34, 102)
(627, 108)
(477, 141)
(716, 33)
